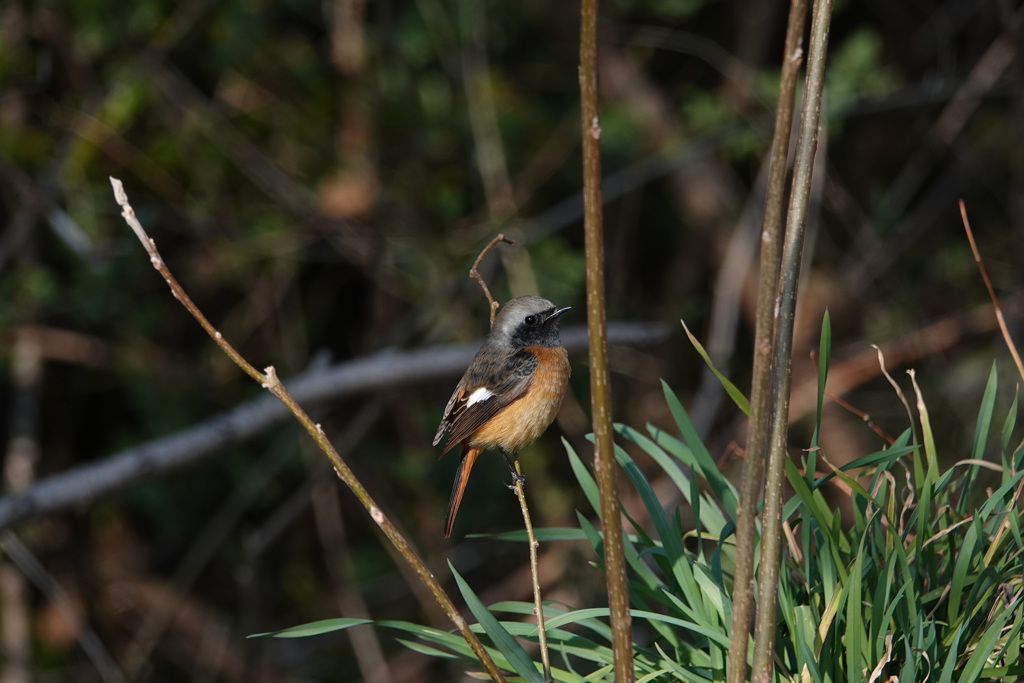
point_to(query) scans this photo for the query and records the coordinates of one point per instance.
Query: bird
(511, 391)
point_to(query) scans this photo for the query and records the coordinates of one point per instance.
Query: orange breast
(526, 418)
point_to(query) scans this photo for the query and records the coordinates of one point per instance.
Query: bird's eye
(531, 320)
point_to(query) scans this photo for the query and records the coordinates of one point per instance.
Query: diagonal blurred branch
(387, 369)
(874, 257)
(983, 77)
(849, 370)
(249, 159)
(36, 201)
(27, 563)
(253, 162)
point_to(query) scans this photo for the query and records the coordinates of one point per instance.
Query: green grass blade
(592, 534)
(426, 649)
(735, 394)
(453, 641)
(583, 476)
(1008, 424)
(804, 636)
(982, 426)
(986, 645)
(543, 534)
(314, 628)
(824, 353)
(709, 516)
(503, 640)
(855, 638)
(671, 541)
(927, 435)
(722, 487)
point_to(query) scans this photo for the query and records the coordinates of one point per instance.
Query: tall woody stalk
(796, 222)
(600, 397)
(761, 394)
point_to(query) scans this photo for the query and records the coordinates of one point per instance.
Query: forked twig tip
(474, 274)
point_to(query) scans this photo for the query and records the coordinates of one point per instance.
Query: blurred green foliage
(315, 181)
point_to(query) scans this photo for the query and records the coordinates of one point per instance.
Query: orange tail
(469, 456)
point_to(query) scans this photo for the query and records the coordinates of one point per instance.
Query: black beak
(557, 312)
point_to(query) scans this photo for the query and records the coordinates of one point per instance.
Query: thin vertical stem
(600, 397)
(751, 487)
(538, 604)
(796, 221)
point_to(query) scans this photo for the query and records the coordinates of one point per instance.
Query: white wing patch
(481, 394)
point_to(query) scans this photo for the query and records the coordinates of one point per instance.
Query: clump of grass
(924, 583)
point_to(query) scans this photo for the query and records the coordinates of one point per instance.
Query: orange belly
(526, 418)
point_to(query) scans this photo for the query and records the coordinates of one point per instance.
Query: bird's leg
(511, 462)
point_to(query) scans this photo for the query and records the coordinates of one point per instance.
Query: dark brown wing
(458, 397)
(506, 380)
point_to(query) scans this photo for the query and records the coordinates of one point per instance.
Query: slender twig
(268, 380)
(853, 410)
(991, 292)
(762, 393)
(796, 222)
(538, 605)
(475, 274)
(600, 395)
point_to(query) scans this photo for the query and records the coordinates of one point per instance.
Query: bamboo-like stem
(538, 605)
(761, 394)
(796, 221)
(600, 396)
(268, 380)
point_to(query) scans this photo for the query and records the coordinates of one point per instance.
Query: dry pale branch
(991, 292)
(33, 569)
(850, 370)
(268, 380)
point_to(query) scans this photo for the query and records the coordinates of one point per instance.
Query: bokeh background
(321, 175)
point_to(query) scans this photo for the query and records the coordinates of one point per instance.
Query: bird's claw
(517, 480)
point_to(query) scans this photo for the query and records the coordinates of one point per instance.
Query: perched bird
(511, 391)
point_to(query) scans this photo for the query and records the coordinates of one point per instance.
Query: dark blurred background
(321, 175)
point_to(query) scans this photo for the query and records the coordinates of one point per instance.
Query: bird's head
(527, 321)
